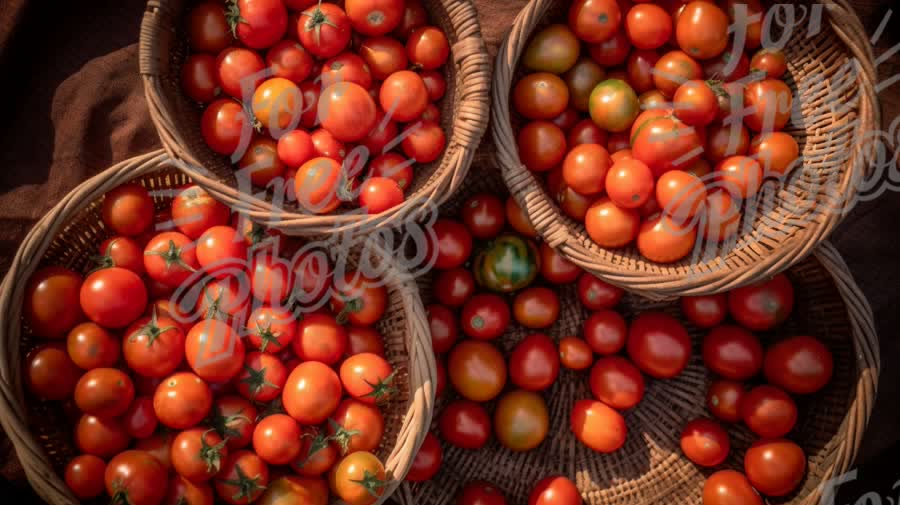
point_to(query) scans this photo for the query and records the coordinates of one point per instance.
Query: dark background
(73, 105)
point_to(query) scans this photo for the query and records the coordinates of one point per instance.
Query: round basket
(68, 236)
(650, 468)
(831, 74)
(464, 118)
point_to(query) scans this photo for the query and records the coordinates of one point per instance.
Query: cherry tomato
(536, 307)
(427, 48)
(290, 61)
(777, 152)
(403, 96)
(763, 305)
(153, 346)
(379, 194)
(198, 78)
(740, 175)
(136, 478)
(234, 419)
(617, 383)
(572, 203)
(127, 210)
(455, 286)
(324, 30)
(705, 442)
(465, 424)
(596, 294)
(586, 132)
(197, 454)
(541, 95)
(272, 329)
(597, 426)
(414, 16)
(159, 446)
(393, 166)
(629, 183)
(605, 331)
(534, 363)
(648, 26)
(358, 479)
(295, 148)
(121, 252)
(450, 245)
(84, 476)
(50, 373)
(613, 51)
(483, 214)
(104, 392)
(611, 226)
(732, 352)
(243, 478)
(262, 377)
(214, 350)
(318, 184)
(680, 194)
(443, 326)
(184, 492)
(768, 411)
(518, 220)
(313, 277)
(775, 467)
(723, 141)
(423, 141)
(427, 462)
(555, 490)
(383, 56)
(585, 167)
(357, 426)
(772, 61)
(208, 30)
(347, 111)
(358, 298)
(555, 267)
(239, 71)
(542, 145)
(665, 240)
(614, 105)
(800, 365)
(347, 66)
(702, 30)
(664, 143)
(480, 493)
(485, 316)
(225, 299)
(724, 400)
(553, 49)
(720, 67)
(261, 23)
(222, 126)
(595, 21)
(170, 258)
(140, 419)
(89, 346)
(477, 370)
(102, 437)
(374, 17)
(182, 400)
(324, 143)
(769, 105)
(51, 304)
(368, 378)
(672, 70)
(521, 420)
(277, 439)
(317, 455)
(727, 487)
(382, 134)
(695, 103)
(705, 311)
(659, 345)
(194, 211)
(575, 353)
(311, 393)
(639, 68)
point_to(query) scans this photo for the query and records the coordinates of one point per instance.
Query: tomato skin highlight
(799, 365)
(727, 487)
(659, 345)
(597, 426)
(705, 443)
(465, 424)
(775, 467)
(477, 370)
(732, 352)
(617, 383)
(768, 411)
(555, 490)
(534, 363)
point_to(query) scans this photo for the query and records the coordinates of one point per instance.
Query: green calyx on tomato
(383, 389)
(233, 17)
(221, 423)
(247, 488)
(211, 454)
(106, 260)
(371, 483)
(213, 311)
(319, 443)
(172, 256)
(341, 437)
(266, 336)
(509, 263)
(256, 380)
(273, 407)
(151, 330)
(317, 18)
(351, 306)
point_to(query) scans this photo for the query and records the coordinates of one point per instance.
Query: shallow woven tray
(837, 109)
(464, 117)
(68, 235)
(650, 468)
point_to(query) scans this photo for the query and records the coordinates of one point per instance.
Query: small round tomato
(194, 211)
(763, 305)
(182, 400)
(597, 426)
(198, 78)
(465, 424)
(376, 141)
(347, 66)
(393, 166)
(260, 23)
(184, 492)
(740, 175)
(137, 478)
(455, 286)
(665, 240)
(427, 462)
(483, 214)
(617, 383)
(555, 267)
(584, 168)
(629, 183)
(555, 490)
(450, 245)
(84, 476)
(477, 370)
(775, 467)
(368, 378)
(358, 479)
(403, 96)
(214, 350)
(723, 141)
(90, 346)
(260, 163)
(102, 437)
(238, 68)
(356, 426)
(104, 392)
(295, 148)
(769, 104)
(127, 209)
(596, 294)
(358, 298)
(613, 51)
(170, 258)
(542, 145)
(553, 49)
(720, 67)
(702, 30)
(347, 111)
(324, 30)
(427, 48)
(732, 352)
(374, 17)
(159, 446)
(277, 439)
(288, 60)
(705, 442)
(197, 454)
(664, 143)
(443, 325)
(234, 419)
(318, 184)
(705, 311)
(540, 95)
(262, 377)
(768, 411)
(777, 152)
(383, 56)
(224, 299)
(674, 68)
(269, 277)
(659, 345)
(50, 373)
(312, 277)
(595, 21)
(800, 365)
(772, 61)
(243, 478)
(536, 307)
(695, 103)
(140, 419)
(648, 26)
(639, 69)
(222, 125)
(51, 305)
(724, 400)
(311, 393)
(121, 252)
(272, 329)
(680, 194)
(521, 420)
(423, 141)
(575, 353)
(480, 493)
(379, 194)
(534, 363)
(610, 225)
(614, 105)
(221, 251)
(320, 338)
(605, 331)
(485, 316)
(208, 30)
(317, 455)
(153, 346)
(727, 487)
(586, 132)
(518, 220)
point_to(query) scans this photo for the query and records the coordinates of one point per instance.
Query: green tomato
(509, 263)
(614, 105)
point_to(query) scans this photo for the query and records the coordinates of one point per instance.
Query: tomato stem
(383, 389)
(371, 483)
(256, 380)
(211, 454)
(317, 18)
(342, 436)
(246, 486)
(172, 256)
(233, 16)
(267, 336)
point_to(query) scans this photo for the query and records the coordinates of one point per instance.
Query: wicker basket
(68, 236)
(838, 109)
(650, 468)
(464, 117)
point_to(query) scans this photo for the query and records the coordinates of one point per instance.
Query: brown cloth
(74, 105)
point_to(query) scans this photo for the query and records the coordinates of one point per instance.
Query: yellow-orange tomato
(261, 162)
(680, 194)
(614, 105)
(358, 479)
(664, 240)
(739, 175)
(776, 152)
(317, 185)
(598, 426)
(521, 420)
(768, 103)
(293, 490)
(277, 104)
(610, 225)
(541, 95)
(723, 216)
(629, 182)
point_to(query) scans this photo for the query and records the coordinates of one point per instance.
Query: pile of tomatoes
(232, 394)
(330, 94)
(650, 124)
(492, 278)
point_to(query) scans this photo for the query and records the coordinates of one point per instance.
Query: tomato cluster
(798, 365)
(326, 104)
(231, 393)
(650, 125)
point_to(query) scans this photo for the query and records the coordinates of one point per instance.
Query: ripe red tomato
(262, 377)
(121, 252)
(777, 152)
(555, 267)
(613, 51)
(243, 478)
(674, 68)
(586, 132)
(50, 373)
(723, 141)
(775, 467)
(450, 245)
(234, 419)
(423, 141)
(277, 439)
(695, 103)
(769, 104)
(702, 30)
(436, 85)
(596, 294)
(800, 365)
(269, 277)
(214, 350)
(454, 287)
(313, 276)
(611, 226)
(374, 17)
(724, 400)
(727, 487)
(427, 47)
(127, 210)
(659, 345)
(140, 419)
(272, 329)
(346, 67)
(197, 454)
(540, 95)
(368, 377)
(194, 211)
(222, 126)
(182, 400)
(536, 307)
(153, 346)
(477, 370)
(383, 56)
(318, 182)
(89, 346)
(260, 163)
(534, 363)
(403, 96)
(261, 23)
(358, 479)
(617, 383)
(597, 426)
(542, 145)
(763, 305)
(239, 70)
(772, 61)
(84, 476)
(768, 411)
(595, 21)
(732, 352)
(198, 78)
(485, 316)
(427, 462)
(224, 299)
(465, 424)
(664, 239)
(393, 166)
(521, 420)
(629, 183)
(159, 446)
(312, 393)
(383, 134)
(51, 304)
(290, 61)
(639, 69)
(680, 194)
(484, 215)
(605, 331)
(665, 144)
(137, 477)
(208, 30)
(347, 111)
(104, 392)
(379, 194)
(358, 298)
(320, 338)
(705, 311)
(442, 322)
(705, 442)
(575, 353)
(317, 455)
(186, 492)
(170, 258)
(739, 175)
(480, 493)
(357, 426)
(584, 168)
(295, 148)
(718, 69)
(555, 490)
(518, 220)
(102, 437)
(648, 26)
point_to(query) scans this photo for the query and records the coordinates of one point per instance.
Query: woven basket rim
(468, 55)
(416, 418)
(674, 280)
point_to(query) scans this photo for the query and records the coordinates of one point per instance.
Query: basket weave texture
(70, 233)
(464, 118)
(831, 74)
(650, 468)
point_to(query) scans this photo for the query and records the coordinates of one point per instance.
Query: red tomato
(140, 419)
(320, 338)
(423, 141)
(380, 194)
(356, 426)
(383, 56)
(374, 17)
(358, 298)
(613, 51)
(768, 411)
(427, 47)
(368, 378)
(290, 61)
(102, 437)
(271, 329)
(51, 306)
(605, 331)
(50, 373)
(262, 377)
(222, 126)
(518, 220)
(184, 492)
(198, 78)
(465, 424)
(800, 365)
(485, 316)
(665, 144)
(317, 455)
(727, 487)
(769, 104)
(723, 141)
(208, 30)
(724, 400)
(383, 134)
(127, 210)
(234, 419)
(629, 183)
(347, 111)
(542, 145)
(680, 194)
(450, 245)
(260, 162)
(555, 267)
(170, 258)
(312, 393)
(182, 400)
(295, 148)
(732, 352)
(427, 462)
(153, 346)
(555, 491)
(214, 350)
(159, 446)
(84, 476)
(664, 239)
(763, 305)
(719, 68)
(705, 443)
(540, 95)
(393, 166)
(575, 353)
(777, 152)
(705, 311)
(243, 478)
(659, 345)
(597, 426)
(197, 454)
(435, 83)
(673, 69)
(695, 103)
(312, 275)
(702, 30)
(358, 479)
(536, 307)
(595, 294)
(477, 370)
(137, 478)
(640, 68)
(269, 278)
(775, 467)
(104, 392)
(317, 183)
(611, 226)
(484, 216)
(347, 66)
(454, 287)
(586, 132)
(261, 23)
(442, 322)
(594, 21)
(403, 96)
(277, 439)
(772, 61)
(739, 175)
(480, 493)
(240, 70)
(648, 26)
(585, 167)
(121, 252)
(617, 383)
(194, 211)
(225, 299)
(89, 346)
(534, 363)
